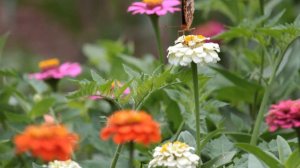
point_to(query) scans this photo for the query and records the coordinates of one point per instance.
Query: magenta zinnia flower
(154, 7)
(51, 69)
(285, 114)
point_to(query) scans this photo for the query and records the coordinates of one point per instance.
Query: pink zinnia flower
(285, 114)
(98, 95)
(154, 7)
(209, 29)
(51, 69)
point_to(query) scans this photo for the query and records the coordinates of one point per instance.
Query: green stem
(197, 110)
(179, 130)
(155, 25)
(116, 156)
(131, 154)
(264, 102)
(262, 7)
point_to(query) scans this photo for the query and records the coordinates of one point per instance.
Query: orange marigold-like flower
(47, 141)
(130, 125)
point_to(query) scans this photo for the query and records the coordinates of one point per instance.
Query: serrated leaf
(130, 72)
(267, 158)
(97, 78)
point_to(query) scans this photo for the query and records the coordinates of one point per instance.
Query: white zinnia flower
(193, 48)
(63, 164)
(174, 155)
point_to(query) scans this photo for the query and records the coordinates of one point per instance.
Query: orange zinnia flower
(47, 141)
(130, 125)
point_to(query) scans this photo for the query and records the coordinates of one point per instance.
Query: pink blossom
(58, 72)
(209, 29)
(154, 7)
(285, 114)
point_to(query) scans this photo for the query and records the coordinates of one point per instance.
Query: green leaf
(17, 117)
(187, 138)
(293, 160)
(39, 86)
(284, 149)
(218, 147)
(41, 107)
(219, 161)
(253, 162)
(97, 78)
(173, 115)
(267, 158)
(130, 72)
(208, 137)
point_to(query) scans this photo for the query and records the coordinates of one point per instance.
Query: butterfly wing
(187, 13)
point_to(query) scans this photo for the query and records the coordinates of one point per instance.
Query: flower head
(51, 69)
(285, 114)
(193, 48)
(63, 164)
(154, 7)
(174, 155)
(130, 125)
(47, 141)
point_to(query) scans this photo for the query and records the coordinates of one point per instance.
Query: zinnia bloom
(285, 114)
(129, 125)
(209, 29)
(98, 95)
(63, 164)
(47, 141)
(51, 69)
(154, 7)
(174, 155)
(193, 48)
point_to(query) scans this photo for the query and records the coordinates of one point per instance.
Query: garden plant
(223, 94)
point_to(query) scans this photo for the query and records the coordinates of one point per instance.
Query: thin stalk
(197, 110)
(155, 25)
(116, 156)
(131, 154)
(179, 130)
(262, 7)
(264, 102)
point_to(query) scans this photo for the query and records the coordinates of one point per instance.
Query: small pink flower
(50, 69)
(154, 7)
(98, 95)
(209, 29)
(285, 114)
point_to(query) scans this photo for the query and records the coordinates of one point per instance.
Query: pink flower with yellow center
(285, 114)
(51, 69)
(154, 7)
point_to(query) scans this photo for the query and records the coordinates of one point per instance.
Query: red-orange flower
(130, 125)
(47, 141)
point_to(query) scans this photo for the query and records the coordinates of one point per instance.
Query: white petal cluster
(174, 155)
(193, 48)
(63, 164)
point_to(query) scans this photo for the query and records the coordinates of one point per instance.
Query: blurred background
(39, 29)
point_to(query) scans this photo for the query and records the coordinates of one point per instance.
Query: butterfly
(187, 14)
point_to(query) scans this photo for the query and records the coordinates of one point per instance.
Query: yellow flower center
(180, 144)
(164, 148)
(153, 3)
(50, 63)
